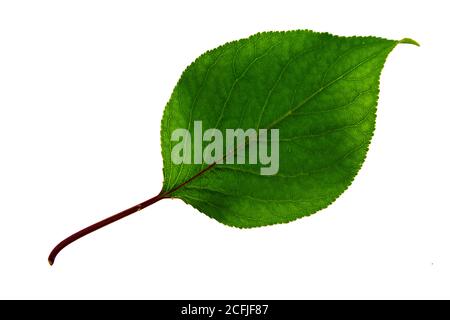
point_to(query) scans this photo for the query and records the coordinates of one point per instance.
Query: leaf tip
(409, 41)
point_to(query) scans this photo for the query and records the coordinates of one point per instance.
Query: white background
(83, 85)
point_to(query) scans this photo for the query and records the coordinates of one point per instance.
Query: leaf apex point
(409, 41)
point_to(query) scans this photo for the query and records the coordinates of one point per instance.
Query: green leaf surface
(318, 89)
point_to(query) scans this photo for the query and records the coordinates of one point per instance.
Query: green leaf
(315, 93)
(319, 90)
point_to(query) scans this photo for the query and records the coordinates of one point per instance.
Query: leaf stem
(101, 224)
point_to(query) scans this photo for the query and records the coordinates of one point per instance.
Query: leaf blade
(291, 81)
